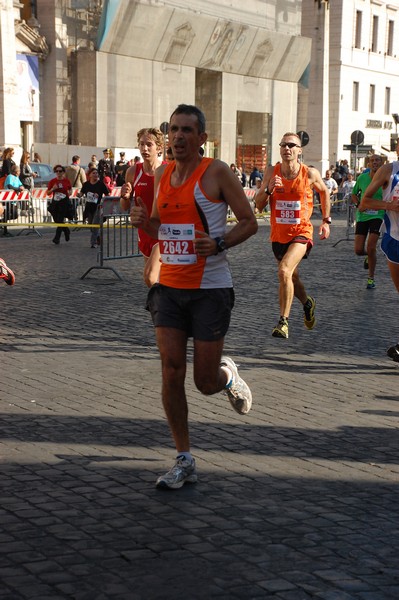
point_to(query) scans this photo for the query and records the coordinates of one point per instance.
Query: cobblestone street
(297, 500)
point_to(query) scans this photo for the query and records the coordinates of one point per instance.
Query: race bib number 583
(176, 243)
(288, 212)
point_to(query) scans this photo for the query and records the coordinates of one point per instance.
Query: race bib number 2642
(176, 243)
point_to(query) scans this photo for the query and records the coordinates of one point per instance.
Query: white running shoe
(182, 472)
(238, 393)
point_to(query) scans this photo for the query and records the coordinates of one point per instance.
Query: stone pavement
(297, 500)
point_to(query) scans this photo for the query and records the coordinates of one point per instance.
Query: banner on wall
(28, 87)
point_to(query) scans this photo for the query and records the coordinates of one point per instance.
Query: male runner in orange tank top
(288, 188)
(195, 295)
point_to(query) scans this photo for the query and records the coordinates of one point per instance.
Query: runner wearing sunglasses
(288, 188)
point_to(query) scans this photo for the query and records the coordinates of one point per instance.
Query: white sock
(229, 374)
(186, 455)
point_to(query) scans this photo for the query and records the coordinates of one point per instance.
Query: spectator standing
(37, 158)
(235, 170)
(108, 182)
(13, 181)
(255, 173)
(75, 173)
(8, 162)
(120, 169)
(77, 177)
(344, 168)
(331, 185)
(346, 189)
(27, 176)
(337, 176)
(106, 165)
(60, 206)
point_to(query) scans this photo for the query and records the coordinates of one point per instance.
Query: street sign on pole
(357, 137)
(364, 149)
(164, 127)
(304, 137)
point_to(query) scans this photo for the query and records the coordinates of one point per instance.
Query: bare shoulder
(313, 174)
(218, 166)
(130, 173)
(268, 172)
(159, 170)
(386, 169)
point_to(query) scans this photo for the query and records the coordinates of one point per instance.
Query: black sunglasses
(59, 171)
(288, 144)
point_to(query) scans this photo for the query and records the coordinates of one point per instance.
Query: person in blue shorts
(387, 177)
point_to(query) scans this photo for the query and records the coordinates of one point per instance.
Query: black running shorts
(370, 226)
(203, 314)
(280, 249)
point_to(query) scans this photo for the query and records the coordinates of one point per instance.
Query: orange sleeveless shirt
(291, 207)
(183, 210)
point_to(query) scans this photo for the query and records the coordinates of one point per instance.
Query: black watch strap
(220, 245)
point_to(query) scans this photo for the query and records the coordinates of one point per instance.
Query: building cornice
(32, 39)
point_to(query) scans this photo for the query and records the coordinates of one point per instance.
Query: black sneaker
(281, 329)
(393, 352)
(309, 317)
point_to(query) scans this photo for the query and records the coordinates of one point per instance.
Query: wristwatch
(327, 220)
(220, 245)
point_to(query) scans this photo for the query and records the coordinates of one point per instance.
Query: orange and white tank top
(291, 207)
(183, 210)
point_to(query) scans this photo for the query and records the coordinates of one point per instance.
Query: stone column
(9, 102)
(54, 102)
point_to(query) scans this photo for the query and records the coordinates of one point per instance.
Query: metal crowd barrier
(350, 221)
(27, 211)
(18, 211)
(118, 238)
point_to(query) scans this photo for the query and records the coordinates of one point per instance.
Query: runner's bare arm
(380, 179)
(220, 182)
(318, 184)
(263, 194)
(127, 188)
(139, 216)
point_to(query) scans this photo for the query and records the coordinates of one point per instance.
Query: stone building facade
(113, 67)
(353, 79)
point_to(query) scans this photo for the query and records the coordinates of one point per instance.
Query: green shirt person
(369, 221)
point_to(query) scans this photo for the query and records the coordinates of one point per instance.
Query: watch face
(222, 244)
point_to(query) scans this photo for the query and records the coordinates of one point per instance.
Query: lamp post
(394, 136)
